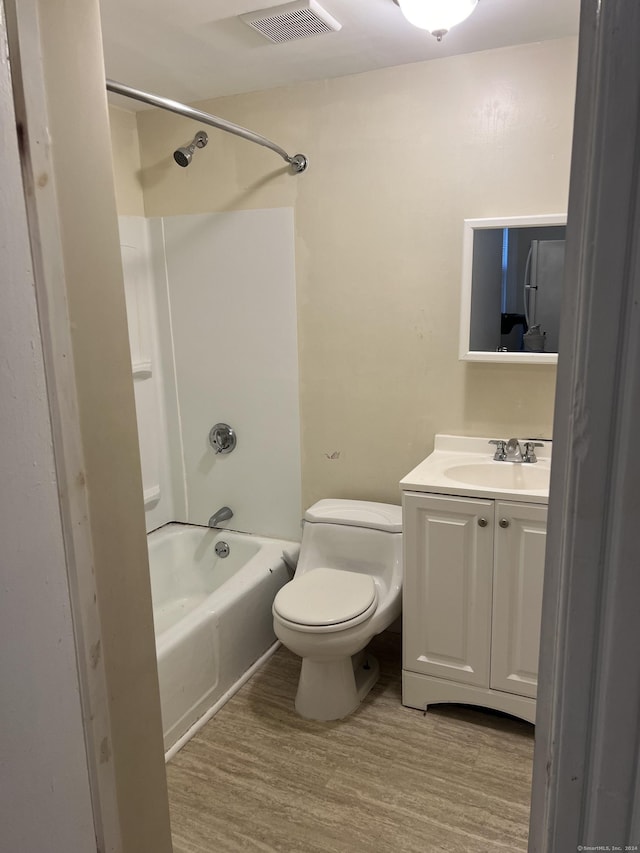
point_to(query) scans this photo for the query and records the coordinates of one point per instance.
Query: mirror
(512, 275)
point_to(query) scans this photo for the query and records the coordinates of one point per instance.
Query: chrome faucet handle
(222, 438)
(529, 451)
(501, 454)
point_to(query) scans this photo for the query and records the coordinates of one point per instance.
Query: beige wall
(398, 158)
(125, 150)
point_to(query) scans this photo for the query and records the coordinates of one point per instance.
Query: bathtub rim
(270, 551)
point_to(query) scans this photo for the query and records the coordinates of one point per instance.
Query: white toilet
(347, 589)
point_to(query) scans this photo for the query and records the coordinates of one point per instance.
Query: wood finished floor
(386, 780)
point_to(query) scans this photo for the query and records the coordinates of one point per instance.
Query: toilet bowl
(347, 588)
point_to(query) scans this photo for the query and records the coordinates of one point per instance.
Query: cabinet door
(521, 532)
(448, 568)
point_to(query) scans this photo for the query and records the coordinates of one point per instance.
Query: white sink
(461, 465)
(501, 475)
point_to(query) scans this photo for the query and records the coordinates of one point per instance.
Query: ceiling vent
(292, 21)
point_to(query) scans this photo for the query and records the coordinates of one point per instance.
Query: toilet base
(333, 689)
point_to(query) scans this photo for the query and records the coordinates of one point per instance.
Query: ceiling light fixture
(436, 16)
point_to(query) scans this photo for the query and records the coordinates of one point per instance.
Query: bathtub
(212, 618)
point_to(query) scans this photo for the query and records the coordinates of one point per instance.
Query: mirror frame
(470, 226)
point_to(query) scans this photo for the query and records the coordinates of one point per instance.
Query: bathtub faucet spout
(223, 514)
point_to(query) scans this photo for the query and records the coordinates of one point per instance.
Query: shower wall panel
(149, 335)
(232, 300)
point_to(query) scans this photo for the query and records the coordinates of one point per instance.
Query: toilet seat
(324, 600)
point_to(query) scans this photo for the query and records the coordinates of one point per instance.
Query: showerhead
(183, 156)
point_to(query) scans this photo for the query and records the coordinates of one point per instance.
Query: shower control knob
(504, 522)
(222, 438)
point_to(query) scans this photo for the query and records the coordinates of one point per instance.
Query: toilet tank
(356, 536)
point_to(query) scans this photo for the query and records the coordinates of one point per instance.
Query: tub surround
(153, 379)
(230, 281)
(213, 337)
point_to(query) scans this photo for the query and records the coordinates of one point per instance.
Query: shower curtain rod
(298, 162)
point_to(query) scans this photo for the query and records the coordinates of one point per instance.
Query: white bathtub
(212, 617)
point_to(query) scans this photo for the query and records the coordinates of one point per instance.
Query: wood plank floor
(386, 780)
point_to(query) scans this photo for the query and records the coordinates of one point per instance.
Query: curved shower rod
(298, 162)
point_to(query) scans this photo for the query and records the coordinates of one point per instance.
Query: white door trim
(586, 765)
(46, 248)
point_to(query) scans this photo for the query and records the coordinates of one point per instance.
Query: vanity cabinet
(473, 574)
(518, 574)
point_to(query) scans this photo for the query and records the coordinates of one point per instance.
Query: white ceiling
(192, 50)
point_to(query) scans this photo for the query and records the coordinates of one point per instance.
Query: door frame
(586, 765)
(62, 130)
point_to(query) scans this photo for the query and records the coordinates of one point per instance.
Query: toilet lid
(325, 597)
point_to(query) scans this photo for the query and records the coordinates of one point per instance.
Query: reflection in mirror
(512, 288)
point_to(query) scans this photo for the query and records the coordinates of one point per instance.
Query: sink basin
(501, 475)
(464, 466)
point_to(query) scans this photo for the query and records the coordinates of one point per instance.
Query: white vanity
(474, 548)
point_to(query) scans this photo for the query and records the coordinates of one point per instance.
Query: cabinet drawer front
(517, 597)
(447, 586)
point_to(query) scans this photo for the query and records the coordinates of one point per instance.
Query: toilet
(347, 588)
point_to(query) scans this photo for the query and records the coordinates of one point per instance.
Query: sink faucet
(513, 450)
(223, 514)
